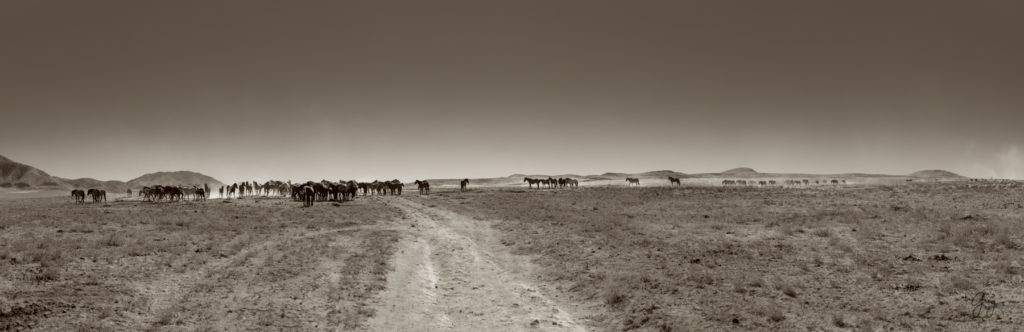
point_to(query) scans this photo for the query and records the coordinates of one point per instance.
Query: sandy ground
(446, 280)
(848, 258)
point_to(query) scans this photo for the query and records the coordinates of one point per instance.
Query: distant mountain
(17, 175)
(90, 183)
(739, 172)
(174, 178)
(936, 174)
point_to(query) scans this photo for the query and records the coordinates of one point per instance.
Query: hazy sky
(423, 89)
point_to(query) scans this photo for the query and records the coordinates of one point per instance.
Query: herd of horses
(97, 195)
(173, 193)
(764, 183)
(552, 182)
(310, 191)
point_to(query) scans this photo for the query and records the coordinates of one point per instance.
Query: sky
(256, 90)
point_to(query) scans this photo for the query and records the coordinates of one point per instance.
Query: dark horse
(674, 181)
(79, 196)
(98, 195)
(632, 181)
(308, 195)
(463, 184)
(423, 186)
(531, 182)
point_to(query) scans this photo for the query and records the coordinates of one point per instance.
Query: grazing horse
(728, 182)
(79, 196)
(98, 195)
(463, 184)
(632, 181)
(674, 181)
(129, 192)
(393, 186)
(572, 183)
(308, 195)
(423, 186)
(531, 181)
(834, 181)
(200, 194)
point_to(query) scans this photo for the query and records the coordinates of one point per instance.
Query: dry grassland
(263, 264)
(899, 258)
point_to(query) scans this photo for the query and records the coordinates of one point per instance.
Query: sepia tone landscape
(526, 165)
(864, 252)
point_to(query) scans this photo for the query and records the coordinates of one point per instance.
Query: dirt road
(448, 277)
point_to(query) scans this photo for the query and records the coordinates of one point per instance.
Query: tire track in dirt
(170, 290)
(444, 281)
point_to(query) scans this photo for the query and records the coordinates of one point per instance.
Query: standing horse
(98, 195)
(531, 182)
(463, 184)
(308, 195)
(632, 181)
(79, 196)
(423, 186)
(674, 181)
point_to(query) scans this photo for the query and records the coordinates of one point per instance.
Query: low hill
(740, 172)
(935, 174)
(664, 173)
(179, 178)
(17, 175)
(89, 183)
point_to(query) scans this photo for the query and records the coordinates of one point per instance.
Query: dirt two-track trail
(445, 280)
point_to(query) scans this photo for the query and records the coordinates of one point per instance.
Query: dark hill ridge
(935, 174)
(740, 171)
(18, 175)
(182, 178)
(88, 183)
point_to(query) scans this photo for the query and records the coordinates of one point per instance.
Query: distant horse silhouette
(395, 187)
(674, 181)
(632, 181)
(308, 194)
(98, 195)
(532, 181)
(572, 183)
(423, 186)
(79, 196)
(463, 184)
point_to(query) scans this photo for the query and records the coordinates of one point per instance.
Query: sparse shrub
(6, 185)
(823, 232)
(113, 240)
(789, 290)
(22, 185)
(956, 282)
(47, 274)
